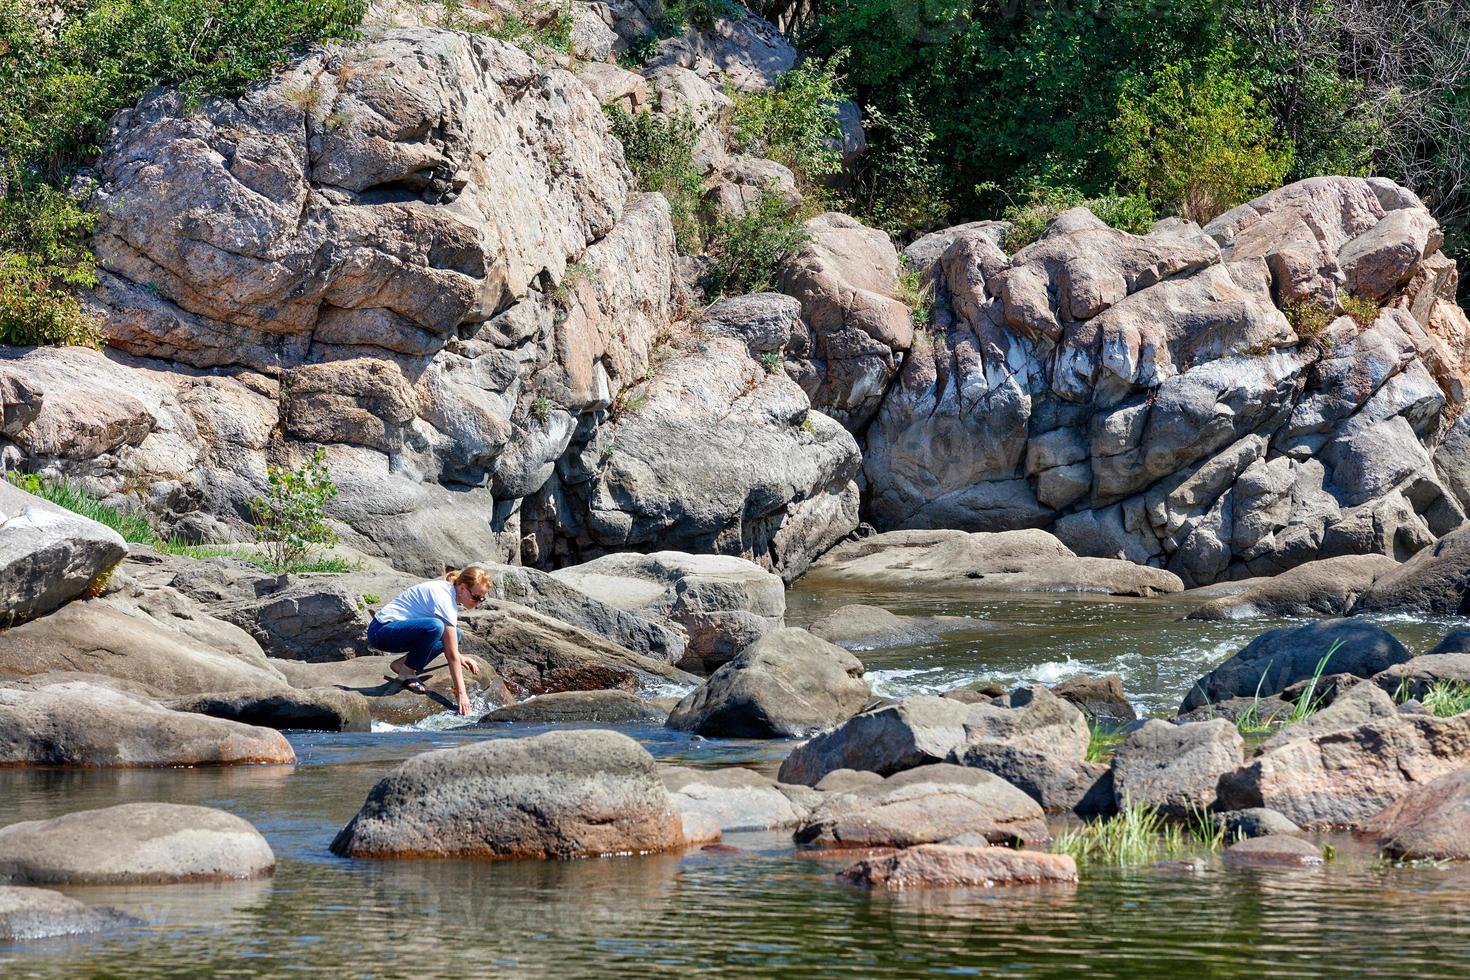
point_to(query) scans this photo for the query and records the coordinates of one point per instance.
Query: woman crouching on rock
(423, 621)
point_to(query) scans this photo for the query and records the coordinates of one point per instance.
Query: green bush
(528, 26)
(1362, 309)
(898, 186)
(1197, 139)
(1028, 220)
(661, 155)
(65, 69)
(291, 520)
(745, 249)
(794, 123)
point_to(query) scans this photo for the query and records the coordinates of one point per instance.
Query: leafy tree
(1197, 140)
(291, 518)
(794, 123)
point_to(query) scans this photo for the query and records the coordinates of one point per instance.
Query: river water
(761, 909)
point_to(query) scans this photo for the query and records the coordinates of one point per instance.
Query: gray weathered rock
(1256, 822)
(560, 795)
(737, 799)
(926, 805)
(949, 866)
(1414, 677)
(786, 684)
(1009, 561)
(1279, 658)
(1328, 587)
(40, 913)
(724, 603)
(1058, 785)
(1435, 580)
(862, 627)
(1429, 822)
(81, 724)
(389, 702)
(1101, 699)
(1175, 767)
(48, 555)
(1342, 777)
(564, 707)
(134, 844)
(1273, 850)
(326, 709)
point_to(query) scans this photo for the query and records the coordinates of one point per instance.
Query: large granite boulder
(736, 799)
(560, 795)
(854, 330)
(1429, 823)
(927, 805)
(1279, 658)
(83, 724)
(1435, 581)
(1148, 397)
(326, 709)
(100, 636)
(715, 453)
(134, 844)
(786, 684)
(1008, 561)
(1175, 768)
(722, 602)
(48, 555)
(1329, 587)
(1331, 774)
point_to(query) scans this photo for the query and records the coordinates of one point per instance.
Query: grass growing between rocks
(1446, 698)
(135, 529)
(1140, 834)
(1101, 741)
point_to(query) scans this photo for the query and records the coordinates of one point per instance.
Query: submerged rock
(560, 795)
(27, 914)
(1273, 850)
(1256, 822)
(134, 844)
(786, 684)
(48, 555)
(1278, 658)
(860, 627)
(81, 724)
(948, 866)
(926, 805)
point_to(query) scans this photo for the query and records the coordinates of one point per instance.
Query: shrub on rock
(564, 794)
(134, 844)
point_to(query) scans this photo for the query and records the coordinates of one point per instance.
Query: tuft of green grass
(1308, 320)
(1138, 834)
(1249, 721)
(133, 527)
(1446, 698)
(1310, 701)
(1101, 741)
(1362, 309)
(370, 597)
(917, 293)
(771, 361)
(173, 546)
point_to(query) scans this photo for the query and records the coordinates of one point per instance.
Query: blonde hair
(469, 577)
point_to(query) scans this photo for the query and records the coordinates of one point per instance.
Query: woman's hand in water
(464, 703)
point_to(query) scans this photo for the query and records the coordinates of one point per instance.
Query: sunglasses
(478, 597)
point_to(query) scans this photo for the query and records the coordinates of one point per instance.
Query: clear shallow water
(762, 910)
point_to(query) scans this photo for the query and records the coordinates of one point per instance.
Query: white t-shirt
(433, 599)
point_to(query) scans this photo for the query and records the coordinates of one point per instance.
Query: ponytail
(469, 577)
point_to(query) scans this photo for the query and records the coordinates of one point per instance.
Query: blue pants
(422, 639)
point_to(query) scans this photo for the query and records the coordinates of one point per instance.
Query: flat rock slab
(323, 709)
(560, 795)
(389, 702)
(1273, 850)
(40, 913)
(925, 806)
(80, 724)
(737, 799)
(134, 844)
(862, 627)
(1328, 587)
(570, 707)
(949, 866)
